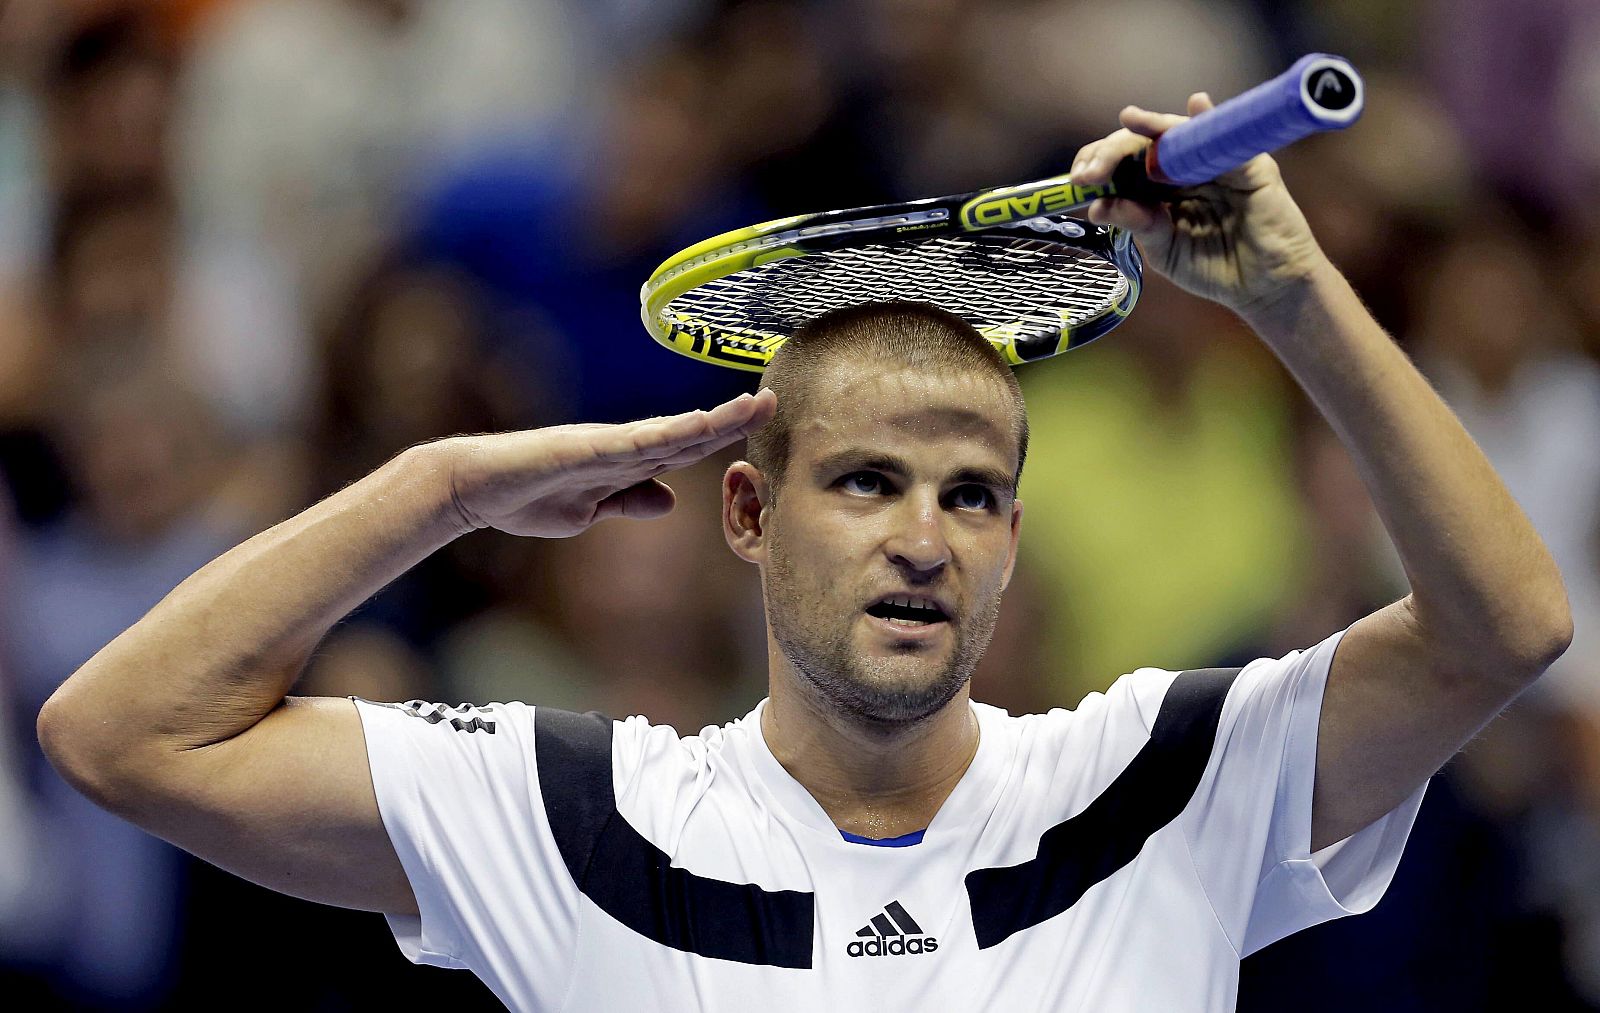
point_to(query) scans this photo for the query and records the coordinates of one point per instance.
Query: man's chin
(897, 687)
(879, 679)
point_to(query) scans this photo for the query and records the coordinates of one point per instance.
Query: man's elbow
(1553, 640)
(62, 743)
(1515, 646)
(83, 750)
(1537, 640)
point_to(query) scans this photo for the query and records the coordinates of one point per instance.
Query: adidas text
(893, 946)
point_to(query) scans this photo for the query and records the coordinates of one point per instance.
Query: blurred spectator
(303, 126)
(19, 851)
(109, 104)
(563, 234)
(366, 660)
(82, 92)
(1521, 80)
(1491, 334)
(19, 845)
(23, 188)
(1346, 567)
(1068, 66)
(666, 618)
(922, 95)
(629, 30)
(143, 453)
(1373, 33)
(303, 120)
(1579, 271)
(182, 20)
(410, 360)
(112, 270)
(516, 649)
(786, 124)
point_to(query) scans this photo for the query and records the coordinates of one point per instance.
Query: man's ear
(745, 497)
(1016, 533)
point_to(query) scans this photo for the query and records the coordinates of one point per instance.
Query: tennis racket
(1012, 261)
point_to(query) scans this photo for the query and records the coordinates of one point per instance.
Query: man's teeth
(895, 608)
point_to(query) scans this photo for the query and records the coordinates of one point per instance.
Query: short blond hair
(910, 333)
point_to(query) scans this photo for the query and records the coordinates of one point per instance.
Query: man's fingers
(702, 430)
(1140, 219)
(654, 439)
(643, 501)
(690, 455)
(1096, 160)
(1146, 123)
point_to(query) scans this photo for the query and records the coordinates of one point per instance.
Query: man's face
(899, 485)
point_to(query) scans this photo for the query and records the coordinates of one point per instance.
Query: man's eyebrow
(862, 460)
(994, 478)
(876, 460)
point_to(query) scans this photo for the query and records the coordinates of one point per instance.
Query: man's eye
(863, 482)
(972, 497)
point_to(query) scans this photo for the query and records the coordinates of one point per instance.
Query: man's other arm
(182, 725)
(1487, 612)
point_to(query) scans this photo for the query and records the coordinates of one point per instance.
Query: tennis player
(866, 837)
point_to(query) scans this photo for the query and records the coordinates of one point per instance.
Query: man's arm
(1487, 612)
(181, 724)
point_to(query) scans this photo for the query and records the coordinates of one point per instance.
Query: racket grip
(1320, 92)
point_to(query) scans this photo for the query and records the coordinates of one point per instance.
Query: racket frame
(1034, 210)
(1268, 116)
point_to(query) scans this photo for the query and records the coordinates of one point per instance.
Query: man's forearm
(223, 649)
(1484, 587)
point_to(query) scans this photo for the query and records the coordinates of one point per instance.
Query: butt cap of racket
(1320, 92)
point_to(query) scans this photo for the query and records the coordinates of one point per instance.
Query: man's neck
(874, 781)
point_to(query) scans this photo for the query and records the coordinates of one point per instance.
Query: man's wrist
(1279, 314)
(426, 473)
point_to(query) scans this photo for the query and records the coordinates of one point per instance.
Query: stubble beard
(878, 691)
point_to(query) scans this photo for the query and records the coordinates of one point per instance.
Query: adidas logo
(891, 933)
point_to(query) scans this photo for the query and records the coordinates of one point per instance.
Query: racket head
(1034, 287)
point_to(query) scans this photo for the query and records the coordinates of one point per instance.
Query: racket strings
(996, 282)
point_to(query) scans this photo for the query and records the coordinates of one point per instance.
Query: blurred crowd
(249, 249)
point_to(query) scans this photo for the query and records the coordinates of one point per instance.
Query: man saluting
(867, 834)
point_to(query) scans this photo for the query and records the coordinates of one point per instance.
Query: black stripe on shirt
(633, 881)
(1079, 852)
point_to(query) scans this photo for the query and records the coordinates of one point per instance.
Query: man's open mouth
(907, 610)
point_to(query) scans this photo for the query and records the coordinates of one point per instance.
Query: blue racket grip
(1320, 92)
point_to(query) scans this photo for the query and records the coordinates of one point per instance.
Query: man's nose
(918, 542)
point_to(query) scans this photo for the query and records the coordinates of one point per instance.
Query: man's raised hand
(1240, 240)
(556, 482)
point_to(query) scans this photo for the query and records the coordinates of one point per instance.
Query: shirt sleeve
(1249, 822)
(458, 791)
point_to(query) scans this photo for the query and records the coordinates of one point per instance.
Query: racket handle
(1320, 92)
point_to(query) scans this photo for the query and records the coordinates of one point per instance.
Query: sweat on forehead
(883, 339)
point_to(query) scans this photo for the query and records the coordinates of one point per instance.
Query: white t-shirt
(1118, 857)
